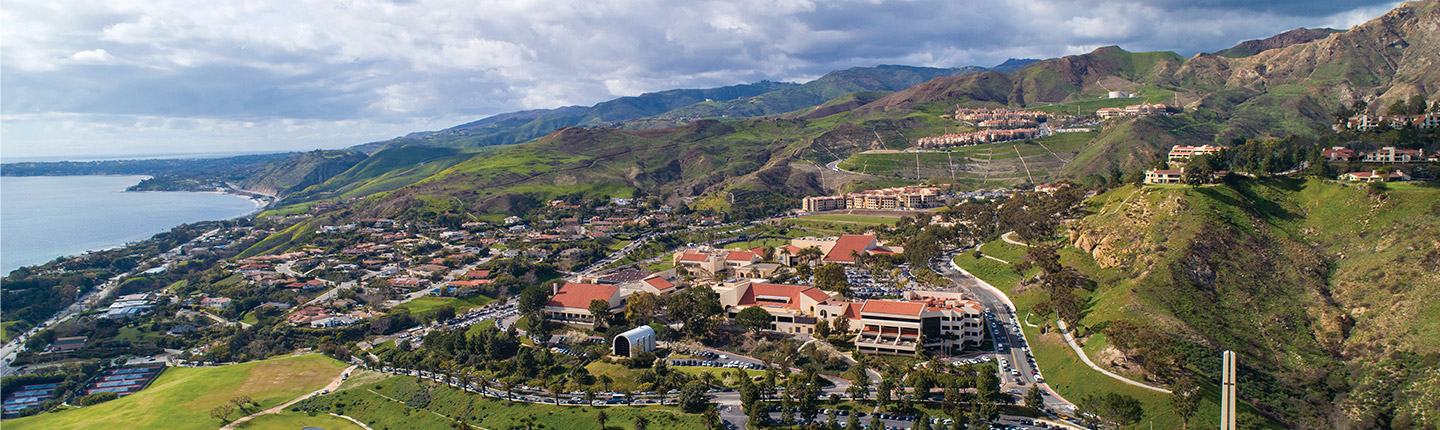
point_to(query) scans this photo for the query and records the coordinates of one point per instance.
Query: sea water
(45, 217)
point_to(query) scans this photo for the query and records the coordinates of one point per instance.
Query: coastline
(28, 250)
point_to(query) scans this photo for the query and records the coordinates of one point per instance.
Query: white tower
(1227, 393)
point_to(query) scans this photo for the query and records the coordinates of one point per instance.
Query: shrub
(98, 398)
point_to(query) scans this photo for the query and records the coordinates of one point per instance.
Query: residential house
(1163, 176)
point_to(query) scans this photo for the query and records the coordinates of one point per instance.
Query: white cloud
(386, 62)
(93, 56)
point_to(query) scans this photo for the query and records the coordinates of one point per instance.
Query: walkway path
(1070, 340)
(1022, 163)
(348, 418)
(1008, 240)
(281, 407)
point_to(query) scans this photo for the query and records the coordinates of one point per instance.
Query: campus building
(794, 308)
(937, 321)
(571, 303)
(634, 341)
(842, 249)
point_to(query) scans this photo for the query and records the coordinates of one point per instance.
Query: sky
(132, 77)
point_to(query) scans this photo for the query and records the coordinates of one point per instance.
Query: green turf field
(182, 397)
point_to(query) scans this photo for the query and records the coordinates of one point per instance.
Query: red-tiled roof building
(571, 303)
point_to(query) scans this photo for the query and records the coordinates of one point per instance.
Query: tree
(922, 423)
(640, 307)
(533, 299)
(882, 395)
(712, 419)
(692, 398)
(1377, 188)
(605, 381)
(831, 277)
(1119, 408)
(641, 423)
(697, 307)
(853, 422)
(1185, 399)
(1034, 399)
(822, 329)
(444, 313)
(241, 401)
(841, 325)
(601, 310)
(600, 418)
(222, 412)
(754, 318)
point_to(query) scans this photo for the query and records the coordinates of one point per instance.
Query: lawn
(857, 219)
(768, 243)
(404, 402)
(299, 420)
(181, 398)
(428, 304)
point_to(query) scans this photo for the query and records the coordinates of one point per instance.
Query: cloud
(93, 56)
(383, 63)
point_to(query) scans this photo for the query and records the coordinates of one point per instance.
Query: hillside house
(1163, 176)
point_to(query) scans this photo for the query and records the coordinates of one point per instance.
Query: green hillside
(817, 92)
(181, 398)
(1288, 273)
(301, 170)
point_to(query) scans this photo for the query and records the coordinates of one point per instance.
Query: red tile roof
(659, 283)
(891, 307)
(790, 292)
(840, 253)
(740, 256)
(792, 248)
(578, 296)
(476, 274)
(691, 256)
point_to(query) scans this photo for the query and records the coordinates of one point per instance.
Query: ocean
(45, 217)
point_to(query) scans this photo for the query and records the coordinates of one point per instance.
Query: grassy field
(298, 420)
(404, 402)
(855, 219)
(769, 243)
(428, 304)
(181, 398)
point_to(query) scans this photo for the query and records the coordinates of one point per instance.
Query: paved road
(11, 349)
(1005, 328)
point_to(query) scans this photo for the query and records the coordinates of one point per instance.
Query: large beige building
(795, 308)
(937, 321)
(898, 198)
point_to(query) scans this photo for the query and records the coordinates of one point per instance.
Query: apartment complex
(977, 137)
(1143, 109)
(841, 249)
(1182, 154)
(1366, 122)
(898, 198)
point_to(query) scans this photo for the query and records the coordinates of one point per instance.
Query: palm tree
(600, 418)
(605, 381)
(555, 389)
(641, 423)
